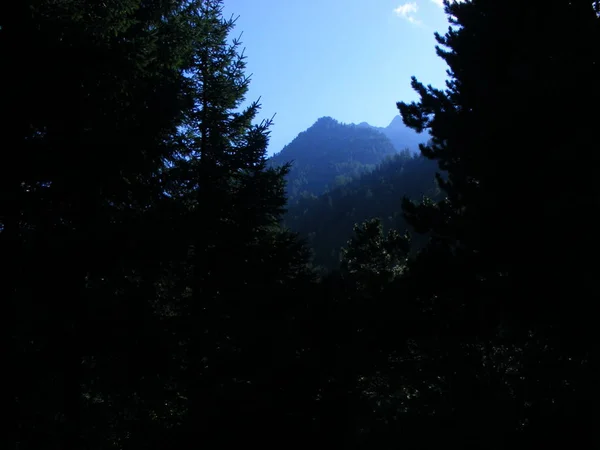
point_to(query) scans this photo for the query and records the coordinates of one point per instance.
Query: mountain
(400, 135)
(329, 154)
(326, 221)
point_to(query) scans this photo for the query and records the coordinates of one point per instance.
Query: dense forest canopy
(327, 221)
(164, 288)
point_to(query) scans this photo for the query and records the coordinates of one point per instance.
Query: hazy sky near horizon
(348, 59)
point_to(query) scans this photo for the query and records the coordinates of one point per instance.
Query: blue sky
(348, 59)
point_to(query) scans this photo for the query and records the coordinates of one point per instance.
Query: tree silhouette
(241, 270)
(497, 133)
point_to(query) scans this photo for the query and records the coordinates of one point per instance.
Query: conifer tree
(244, 273)
(372, 258)
(92, 92)
(510, 271)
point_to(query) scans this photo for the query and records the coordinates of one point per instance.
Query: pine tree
(92, 93)
(512, 269)
(372, 258)
(244, 273)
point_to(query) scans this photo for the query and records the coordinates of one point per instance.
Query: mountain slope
(327, 221)
(400, 135)
(330, 154)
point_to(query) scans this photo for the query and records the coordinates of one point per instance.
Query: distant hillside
(400, 135)
(326, 221)
(329, 154)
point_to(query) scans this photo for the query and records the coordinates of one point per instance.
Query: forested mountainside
(327, 221)
(401, 136)
(152, 299)
(329, 154)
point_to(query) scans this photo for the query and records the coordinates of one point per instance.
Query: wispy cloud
(407, 11)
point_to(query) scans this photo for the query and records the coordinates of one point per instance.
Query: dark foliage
(513, 294)
(154, 299)
(327, 221)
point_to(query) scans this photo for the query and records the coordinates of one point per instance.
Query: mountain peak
(326, 120)
(396, 121)
(399, 134)
(329, 153)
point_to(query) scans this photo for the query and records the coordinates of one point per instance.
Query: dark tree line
(147, 267)
(327, 221)
(153, 298)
